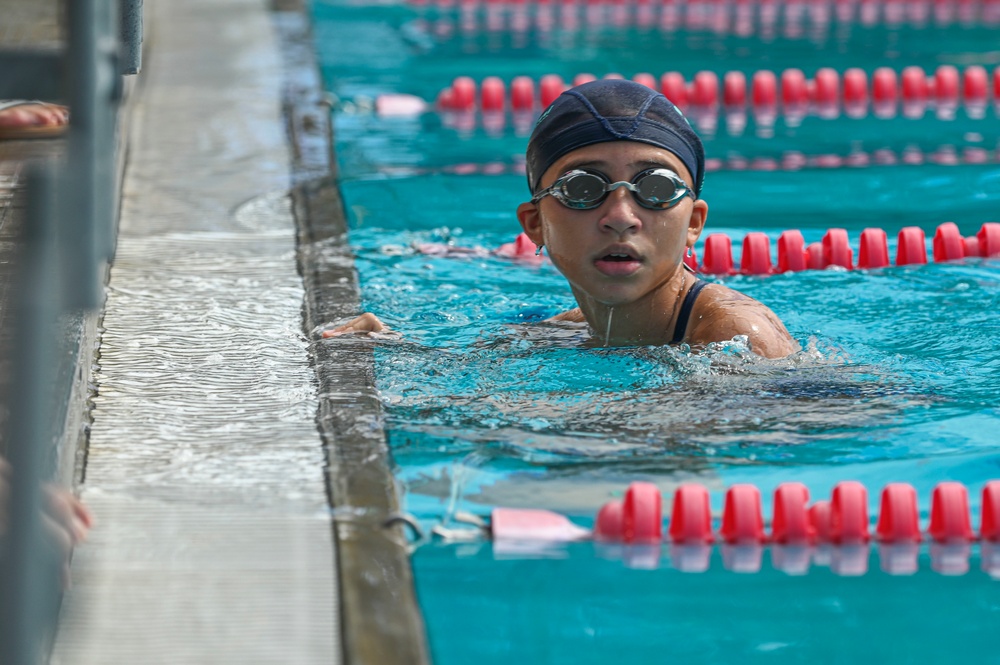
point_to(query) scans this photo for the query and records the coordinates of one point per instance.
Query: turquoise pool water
(898, 382)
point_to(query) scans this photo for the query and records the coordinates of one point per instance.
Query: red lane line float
(492, 94)
(839, 527)
(522, 93)
(641, 514)
(899, 518)
(849, 513)
(522, 249)
(791, 251)
(734, 90)
(764, 89)
(794, 90)
(610, 522)
(950, 521)
(975, 84)
(819, 520)
(718, 258)
(948, 243)
(885, 90)
(836, 250)
(914, 84)
(990, 527)
(827, 91)
(989, 239)
(691, 519)
(911, 246)
(855, 87)
(814, 256)
(550, 87)
(756, 258)
(463, 93)
(827, 82)
(873, 251)
(946, 84)
(742, 518)
(791, 522)
(645, 79)
(705, 90)
(884, 86)
(673, 87)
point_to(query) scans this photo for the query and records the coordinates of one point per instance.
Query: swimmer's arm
(767, 334)
(366, 323)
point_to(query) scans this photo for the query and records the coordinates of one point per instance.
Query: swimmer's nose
(618, 213)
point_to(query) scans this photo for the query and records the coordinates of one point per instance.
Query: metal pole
(95, 89)
(109, 93)
(59, 267)
(131, 36)
(29, 578)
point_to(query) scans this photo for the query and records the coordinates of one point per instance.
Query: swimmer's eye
(656, 189)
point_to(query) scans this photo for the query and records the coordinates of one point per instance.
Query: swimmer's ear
(696, 223)
(531, 222)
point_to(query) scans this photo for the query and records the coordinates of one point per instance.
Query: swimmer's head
(612, 110)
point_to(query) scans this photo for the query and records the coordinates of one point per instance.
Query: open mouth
(618, 263)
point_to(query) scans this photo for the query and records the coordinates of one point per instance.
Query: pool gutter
(380, 618)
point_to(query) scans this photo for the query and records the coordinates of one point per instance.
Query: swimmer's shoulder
(721, 313)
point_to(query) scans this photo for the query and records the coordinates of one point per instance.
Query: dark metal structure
(68, 240)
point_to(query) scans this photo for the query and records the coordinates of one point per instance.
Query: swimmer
(615, 173)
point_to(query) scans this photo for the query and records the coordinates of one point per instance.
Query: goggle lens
(656, 189)
(585, 188)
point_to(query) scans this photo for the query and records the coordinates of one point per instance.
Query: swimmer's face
(619, 252)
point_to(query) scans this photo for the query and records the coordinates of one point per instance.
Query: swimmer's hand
(366, 323)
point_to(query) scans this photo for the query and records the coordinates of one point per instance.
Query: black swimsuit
(680, 328)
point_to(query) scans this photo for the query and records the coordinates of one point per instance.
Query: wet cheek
(560, 259)
(559, 239)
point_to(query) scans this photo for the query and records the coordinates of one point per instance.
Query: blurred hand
(65, 520)
(366, 323)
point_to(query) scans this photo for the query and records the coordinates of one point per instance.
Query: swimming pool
(898, 382)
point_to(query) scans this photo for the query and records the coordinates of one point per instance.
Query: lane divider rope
(796, 19)
(765, 92)
(834, 250)
(837, 528)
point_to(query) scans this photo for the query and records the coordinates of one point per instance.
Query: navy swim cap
(612, 110)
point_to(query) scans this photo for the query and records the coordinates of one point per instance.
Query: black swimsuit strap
(680, 328)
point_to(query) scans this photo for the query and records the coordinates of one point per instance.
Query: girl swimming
(616, 173)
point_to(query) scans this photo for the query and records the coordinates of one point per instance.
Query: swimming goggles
(656, 189)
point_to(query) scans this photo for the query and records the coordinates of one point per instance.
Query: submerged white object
(399, 105)
(533, 524)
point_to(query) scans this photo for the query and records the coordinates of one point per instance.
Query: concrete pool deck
(223, 432)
